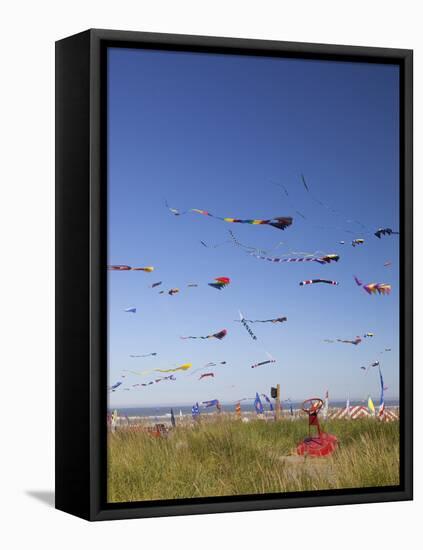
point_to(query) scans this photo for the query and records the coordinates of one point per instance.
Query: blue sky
(218, 133)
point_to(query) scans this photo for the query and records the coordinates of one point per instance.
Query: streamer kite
(281, 222)
(314, 281)
(147, 269)
(321, 260)
(220, 282)
(263, 363)
(385, 231)
(218, 335)
(184, 367)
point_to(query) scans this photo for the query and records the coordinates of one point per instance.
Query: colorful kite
(247, 328)
(377, 288)
(206, 374)
(322, 259)
(220, 282)
(278, 222)
(314, 281)
(148, 269)
(276, 320)
(385, 231)
(370, 405)
(219, 335)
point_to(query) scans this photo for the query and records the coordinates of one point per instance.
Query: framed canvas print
(234, 274)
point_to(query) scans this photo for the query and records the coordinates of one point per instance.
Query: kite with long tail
(145, 355)
(218, 335)
(276, 320)
(327, 259)
(280, 222)
(315, 281)
(263, 363)
(355, 342)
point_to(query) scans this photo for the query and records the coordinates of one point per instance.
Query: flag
(347, 406)
(370, 405)
(258, 405)
(172, 418)
(212, 403)
(268, 401)
(326, 405)
(382, 396)
(195, 410)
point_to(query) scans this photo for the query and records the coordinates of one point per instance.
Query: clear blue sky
(213, 132)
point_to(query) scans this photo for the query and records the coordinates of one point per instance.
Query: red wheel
(314, 405)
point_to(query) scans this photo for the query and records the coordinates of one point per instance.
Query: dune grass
(228, 457)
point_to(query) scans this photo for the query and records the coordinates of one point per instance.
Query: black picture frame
(81, 246)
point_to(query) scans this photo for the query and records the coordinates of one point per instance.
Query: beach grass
(228, 457)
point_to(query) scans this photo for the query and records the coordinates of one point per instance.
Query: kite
(145, 355)
(385, 231)
(116, 385)
(354, 342)
(195, 411)
(281, 222)
(247, 328)
(356, 242)
(263, 363)
(377, 288)
(130, 310)
(341, 242)
(329, 341)
(148, 269)
(173, 291)
(387, 264)
(374, 288)
(276, 320)
(206, 374)
(314, 281)
(156, 284)
(212, 403)
(382, 394)
(219, 335)
(327, 259)
(192, 285)
(304, 182)
(184, 367)
(363, 368)
(220, 282)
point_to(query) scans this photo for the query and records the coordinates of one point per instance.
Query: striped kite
(281, 222)
(314, 281)
(219, 335)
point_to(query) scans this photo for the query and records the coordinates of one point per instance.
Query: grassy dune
(228, 457)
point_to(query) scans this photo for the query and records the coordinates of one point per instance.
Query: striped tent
(389, 416)
(358, 411)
